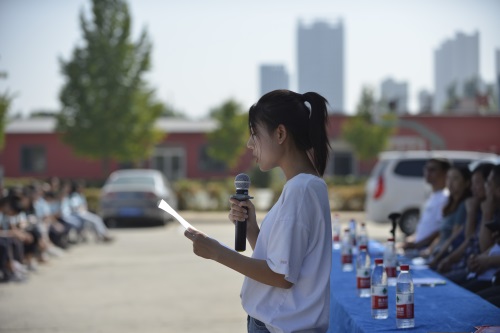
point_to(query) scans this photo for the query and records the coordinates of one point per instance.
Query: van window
(410, 168)
(379, 168)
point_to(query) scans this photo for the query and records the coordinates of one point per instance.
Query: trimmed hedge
(198, 195)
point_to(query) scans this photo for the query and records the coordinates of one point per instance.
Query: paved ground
(148, 280)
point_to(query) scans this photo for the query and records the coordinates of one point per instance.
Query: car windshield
(144, 180)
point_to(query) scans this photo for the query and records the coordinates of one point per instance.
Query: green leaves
(108, 110)
(228, 142)
(367, 136)
(5, 101)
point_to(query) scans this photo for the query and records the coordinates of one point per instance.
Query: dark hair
(443, 163)
(484, 169)
(453, 204)
(496, 174)
(13, 201)
(306, 126)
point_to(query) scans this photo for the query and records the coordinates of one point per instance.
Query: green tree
(228, 142)
(5, 101)
(367, 136)
(108, 111)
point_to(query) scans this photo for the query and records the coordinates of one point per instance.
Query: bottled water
(363, 236)
(336, 232)
(390, 261)
(352, 232)
(363, 272)
(405, 317)
(379, 292)
(346, 250)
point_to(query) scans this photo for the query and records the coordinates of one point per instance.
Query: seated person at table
(428, 226)
(487, 264)
(464, 240)
(458, 183)
(454, 215)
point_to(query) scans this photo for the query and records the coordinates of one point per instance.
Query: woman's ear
(281, 133)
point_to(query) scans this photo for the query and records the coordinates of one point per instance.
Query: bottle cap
(363, 247)
(347, 229)
(390, 239)
(404, 267)
(379, 261)
(363, 224)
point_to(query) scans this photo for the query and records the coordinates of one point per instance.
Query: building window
(207, 163)
(33, 159)
(171, 161)
(342, 163)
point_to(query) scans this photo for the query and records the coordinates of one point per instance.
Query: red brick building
(34, 149)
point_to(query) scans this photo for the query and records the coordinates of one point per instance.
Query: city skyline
(204, 53)
(321, 61)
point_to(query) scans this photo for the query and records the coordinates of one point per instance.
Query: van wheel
(408, 221)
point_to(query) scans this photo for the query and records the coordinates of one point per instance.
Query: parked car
(396, 184)
(133, 195)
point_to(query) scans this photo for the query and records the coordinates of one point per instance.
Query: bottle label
(391, 272)
(363, 278)
(379, 298)
(336, 238)
(404, 306)
(347, 258)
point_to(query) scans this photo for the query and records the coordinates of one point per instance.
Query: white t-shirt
(431, 214)
(296, 240)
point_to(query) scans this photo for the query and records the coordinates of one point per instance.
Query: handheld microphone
(242, 183)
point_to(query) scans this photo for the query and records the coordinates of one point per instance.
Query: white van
(396, 184)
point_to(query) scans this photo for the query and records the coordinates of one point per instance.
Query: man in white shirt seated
(431, 213)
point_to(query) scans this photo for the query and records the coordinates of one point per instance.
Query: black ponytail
(318, 121)
(305, 123)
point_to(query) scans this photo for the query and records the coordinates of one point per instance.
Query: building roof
(38, 125)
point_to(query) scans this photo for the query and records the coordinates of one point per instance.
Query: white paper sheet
(166, 207)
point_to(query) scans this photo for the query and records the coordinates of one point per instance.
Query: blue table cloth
(443, 308)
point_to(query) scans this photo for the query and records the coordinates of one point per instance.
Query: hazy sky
(205, 52)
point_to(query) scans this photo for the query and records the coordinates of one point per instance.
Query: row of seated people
(41, 221)
(459, 228)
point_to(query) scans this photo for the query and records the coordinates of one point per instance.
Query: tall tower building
(273, 77)
(396, 94)
(320, 56)
(455, 62)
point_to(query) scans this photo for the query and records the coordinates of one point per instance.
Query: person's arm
(485, 237)
(483, 262)
(444, 248)
(255, 269)
(446, 263)
(422, 243)
(472, 205)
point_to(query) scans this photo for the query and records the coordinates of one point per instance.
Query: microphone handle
(240, 235)
(240, 227)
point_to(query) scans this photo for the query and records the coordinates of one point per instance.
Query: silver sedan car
(133, 196)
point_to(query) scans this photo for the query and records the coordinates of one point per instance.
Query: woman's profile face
(455, 182)
(477, 186)
(265, 148)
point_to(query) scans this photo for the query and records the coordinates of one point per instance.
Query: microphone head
(242, 182)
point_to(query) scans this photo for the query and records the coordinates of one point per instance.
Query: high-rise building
(424, 102)
(320, 57)
(456, 61)
(273, 77)
(497, 76)
(395, 94)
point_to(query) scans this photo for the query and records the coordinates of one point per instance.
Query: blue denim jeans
(255, 326)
